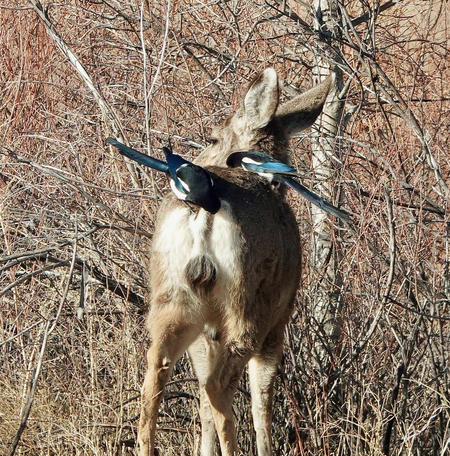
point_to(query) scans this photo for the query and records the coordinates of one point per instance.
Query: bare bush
(171, 70)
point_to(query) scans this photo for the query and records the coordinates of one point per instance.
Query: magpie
(260, 163)
(189, 182)
(277, 172)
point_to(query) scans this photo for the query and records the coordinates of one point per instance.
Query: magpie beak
(189, 182)
(277, 172)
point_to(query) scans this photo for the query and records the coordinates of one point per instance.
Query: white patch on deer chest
(183, 235)
(225, 244)
(174, 243)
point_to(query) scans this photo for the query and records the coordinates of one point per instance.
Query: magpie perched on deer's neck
(281, 173)
(189, 182)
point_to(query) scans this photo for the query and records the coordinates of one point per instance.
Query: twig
(418, 312)
(69, 182)
(365, 17)
(31, 274)
(391, 276)
(47, 332)
(112, 285)
(21, 332)
(109, 116)
(390, 426)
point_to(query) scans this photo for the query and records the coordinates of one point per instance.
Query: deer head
(260, 124)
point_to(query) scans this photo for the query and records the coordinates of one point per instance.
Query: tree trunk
(326, 303)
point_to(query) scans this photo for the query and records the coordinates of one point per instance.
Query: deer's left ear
(261, 100)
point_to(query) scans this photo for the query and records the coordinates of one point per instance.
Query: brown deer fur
(223, 286)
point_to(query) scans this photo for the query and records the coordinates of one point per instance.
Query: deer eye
(212, 141)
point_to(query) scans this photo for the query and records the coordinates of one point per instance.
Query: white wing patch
(251, 161)
(181, 196)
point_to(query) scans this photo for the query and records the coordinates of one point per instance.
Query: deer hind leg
(171, 334)
(220, 388)
(203, 353)
(262, 372)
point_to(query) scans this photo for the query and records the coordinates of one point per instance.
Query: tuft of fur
(201, 273)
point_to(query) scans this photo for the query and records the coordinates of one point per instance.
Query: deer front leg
(171, 335)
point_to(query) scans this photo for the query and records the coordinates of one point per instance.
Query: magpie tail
(318, 201)
(139, 157)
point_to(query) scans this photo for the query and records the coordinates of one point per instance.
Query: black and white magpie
(278, 172)
(189, 182)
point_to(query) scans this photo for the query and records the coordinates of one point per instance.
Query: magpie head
(261, 163)
(199, 187)
(252, 161)
(174, 162)
(167, 152)
(235, 159)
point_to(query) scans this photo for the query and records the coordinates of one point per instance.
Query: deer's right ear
(261, 101)
(302, 111)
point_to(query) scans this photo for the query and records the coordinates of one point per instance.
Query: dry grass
(65, 195)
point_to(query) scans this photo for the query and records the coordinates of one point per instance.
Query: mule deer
(223, 286)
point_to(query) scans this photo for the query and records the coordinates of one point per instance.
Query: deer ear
(261, 101)
(302, 111)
